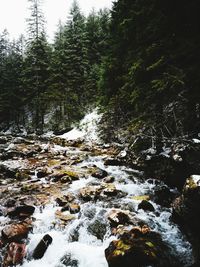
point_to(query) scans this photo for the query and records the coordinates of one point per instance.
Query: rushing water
(76, 245)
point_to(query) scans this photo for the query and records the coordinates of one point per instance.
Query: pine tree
(4, 43)
(97, 29)
(36, 66)
(11, 63)
(75, 59)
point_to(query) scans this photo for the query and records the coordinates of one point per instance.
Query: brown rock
(64, 217)
(74, 208)
(90, 193)
(109, 179)
(16, 231)
(15, 254)
(98, 173)
(61, 201)
(119, 217)
(110, 190)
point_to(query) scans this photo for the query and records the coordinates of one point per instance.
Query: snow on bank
(87, 129)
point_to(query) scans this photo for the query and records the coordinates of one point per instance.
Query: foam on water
(87, 249)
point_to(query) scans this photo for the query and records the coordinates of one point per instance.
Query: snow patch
(88, 128)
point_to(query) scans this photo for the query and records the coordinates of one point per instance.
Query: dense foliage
(151, 75)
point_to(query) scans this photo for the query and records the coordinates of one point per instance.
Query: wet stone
(3, 140)
(110, 190)
(22, 175)
(146, 206)
(15, 254)
(68, 262)
(117, 217)
(163, 196)
(21, 211)
(140, 247)
(98, 228)
(66, 179)
(42, 246)
(16, 231)
(65, 218)
(61, 201)
(109, 179)
(99, 173)
(113, 162)
(89, 212)
(90, 193)
(73, 208)
(10, 202)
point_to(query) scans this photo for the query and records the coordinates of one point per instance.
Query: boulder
(3, 140)
(186, 211)
(98, 228)
(69, 197)
(113, 162)
(22, 175)
(64, 217)
(15, 254)
(8, 172)
(140, 198)
(15, 232)
(99, 173)
(61, 201)
(109, 179)
(139, 247)
(68, 261)
(73, 208)
(10, 202)
(66, 180)
(41, 173)
(90, 193)
(1, 211)
(110, 190)
(163, 195)
(68, 175)
(42, 246)
(186, 208)
(146, 206)
(118, 217)
(21, 211)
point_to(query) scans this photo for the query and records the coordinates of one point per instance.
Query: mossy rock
(73, 175)
(141, 198)
(140, 248)
(22, 175)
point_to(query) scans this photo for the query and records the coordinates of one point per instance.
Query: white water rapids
(75, 245)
